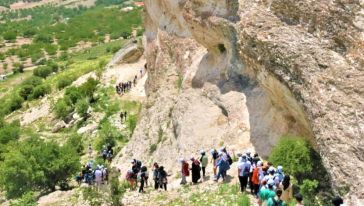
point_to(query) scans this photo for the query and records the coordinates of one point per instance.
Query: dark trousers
(243, 182)
(163, 185)
(203, 171)
(156, 184)
(251, 182)
(141, 188)
(256, 189)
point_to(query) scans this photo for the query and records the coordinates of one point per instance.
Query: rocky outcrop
(244, 73)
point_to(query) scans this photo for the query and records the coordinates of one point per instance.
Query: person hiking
(256, 158)
(104, 154)
(156, 175)
(136, 166)
(125, 115)
(162, 177)
(299, 199)
(337, 201)
(255, 177)
(196, 170)
(215, 156)
(250, 159)
(109, 156)
(287, 190)
(122, 117)
(204, 161)
(270, 175)
(145, 170)
(89, 150)
(185, 171)
(277, 201)
(266, 193)
(223, 166)
(279, 175)
(105, 174)
(142, 177)
(243, 172)
(130, 177)
(98, 177)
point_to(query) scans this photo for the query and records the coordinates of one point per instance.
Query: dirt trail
(176, 191)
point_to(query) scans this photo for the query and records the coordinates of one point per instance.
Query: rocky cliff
(242, 73)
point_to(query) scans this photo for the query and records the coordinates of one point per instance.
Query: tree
(41, 91)
(294, 154)
(15, 103)
(25, 91)
(42, 71)
(63, 108)
(37, 166)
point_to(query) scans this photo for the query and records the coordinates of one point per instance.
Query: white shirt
(242, 165)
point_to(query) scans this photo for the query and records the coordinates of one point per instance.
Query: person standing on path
(162, 176)
(214, 155)
(244, 172)
(204, 160)
(156, 175)
(185, 171)
(196, 170)
(89, 150)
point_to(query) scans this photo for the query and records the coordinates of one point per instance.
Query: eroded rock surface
(243, 73)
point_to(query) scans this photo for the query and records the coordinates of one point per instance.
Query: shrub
(9, 36)
(117, 190)
(75, 141)
(309, 190)
(64, 82)
(25, 91)
(107, 135)
(33, 80)
(63, 108)
(41, 91)
(132, 122)
(294, 154)
(18, 68)
(89, 87)
(15, 103)
(27, 199)
(74, 94)
(82, 107)
(54, 66)
(8, 133)
(42, 71)
(152, 148)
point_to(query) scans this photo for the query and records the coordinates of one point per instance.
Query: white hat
(280, 168)
(202, 151)
(259, 163)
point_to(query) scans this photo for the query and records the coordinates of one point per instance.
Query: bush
(309, 190)
(15, 103)
(54, 66)
(38, 166)
(152, 148)
(107, 135)
(41, 91)
(18, 68)
(8, 133)
(33, 80)
(9, 36)
(27, 199)
(117, 190)
(82, 107)
(64, 82)
(42, 71)
(294, 154)
(25, 91)
(132, 122)
(75, 141)
(63, 108)
(74, 94)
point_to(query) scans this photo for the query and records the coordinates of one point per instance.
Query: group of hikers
(269, 184)
(92, 174)
(124, 87)
(139, 173)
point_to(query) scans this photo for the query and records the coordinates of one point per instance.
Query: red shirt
(185, 169)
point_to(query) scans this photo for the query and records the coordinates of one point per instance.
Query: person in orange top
(255, 178)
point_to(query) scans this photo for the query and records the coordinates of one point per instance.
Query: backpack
(138, 164)
(229, 159)
(144, 169)
(246, 171)
(277, 202)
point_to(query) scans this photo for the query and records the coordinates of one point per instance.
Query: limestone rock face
(242, 73)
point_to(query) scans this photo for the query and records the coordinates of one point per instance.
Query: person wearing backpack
(215, 156)
(276, 201)
(142, 177)
(196, 170)
(223, 166)
(287, 189)
(156, 175)
(243, 171)
(162, 177)
(204, 161)
(185, 171)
